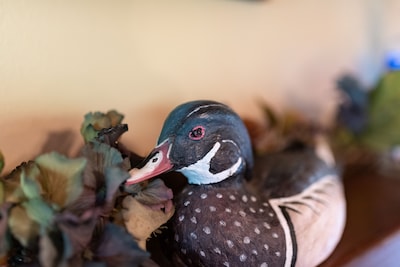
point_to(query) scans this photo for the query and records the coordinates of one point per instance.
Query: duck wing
(289, 172)
(306, 193)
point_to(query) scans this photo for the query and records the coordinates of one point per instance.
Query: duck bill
(156, 163)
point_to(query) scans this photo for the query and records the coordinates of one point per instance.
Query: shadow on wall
(60, 141)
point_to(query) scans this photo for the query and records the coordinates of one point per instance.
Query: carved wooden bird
(281, 209)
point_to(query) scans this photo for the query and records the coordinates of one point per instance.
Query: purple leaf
(78, 229)
(4, 238)
(117, 247)
(156, 195)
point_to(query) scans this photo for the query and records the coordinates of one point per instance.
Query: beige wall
(61, 59)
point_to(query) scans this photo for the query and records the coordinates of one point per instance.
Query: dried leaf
(39, 211)
(115, 117)
(89, 133)
(60, 178)
(156, 195)
(86, 201)
(141, 221)
(101, 156)
(2, 193)
(48, 252)
(36, 208)
(55, 249)
(59, 202)
(281, 130)
(11, 183)
(271, 116)
(134, 189)
(4, 237)
(111, 135)
(30, 187)
(94, 264)
(78, 229)
(114, 178)
(25, 232)
(95, 122)
(103, 176)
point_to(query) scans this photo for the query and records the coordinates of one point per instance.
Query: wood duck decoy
(282, 209)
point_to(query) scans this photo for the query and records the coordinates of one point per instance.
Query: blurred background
(62, 59)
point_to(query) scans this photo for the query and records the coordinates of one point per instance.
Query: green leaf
(12, 191)
(39, 211)
(96, 121)
(1, 161)
(106, 156)
(114, 177)
(30, 187)
(89, 133)
(60, 178)
(100, 156)
(105, 171)
(383, 129)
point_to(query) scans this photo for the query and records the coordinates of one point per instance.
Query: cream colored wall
(61, 59)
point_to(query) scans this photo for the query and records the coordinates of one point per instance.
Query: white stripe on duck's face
(199, 172)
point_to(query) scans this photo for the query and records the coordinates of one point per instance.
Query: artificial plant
(59, 211)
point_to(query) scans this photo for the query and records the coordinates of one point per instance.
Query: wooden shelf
(372, 233)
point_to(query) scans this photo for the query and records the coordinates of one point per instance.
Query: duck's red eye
(197, 133)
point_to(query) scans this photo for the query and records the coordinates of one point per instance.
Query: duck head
(204, 140)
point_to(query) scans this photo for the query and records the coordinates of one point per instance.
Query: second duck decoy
(281, 209)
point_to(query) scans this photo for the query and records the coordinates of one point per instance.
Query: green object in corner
(383, 128)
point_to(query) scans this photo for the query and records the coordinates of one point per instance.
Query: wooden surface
(372, 233)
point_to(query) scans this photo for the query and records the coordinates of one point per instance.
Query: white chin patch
(199, 172)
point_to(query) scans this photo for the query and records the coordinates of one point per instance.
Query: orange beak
(156, 163)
